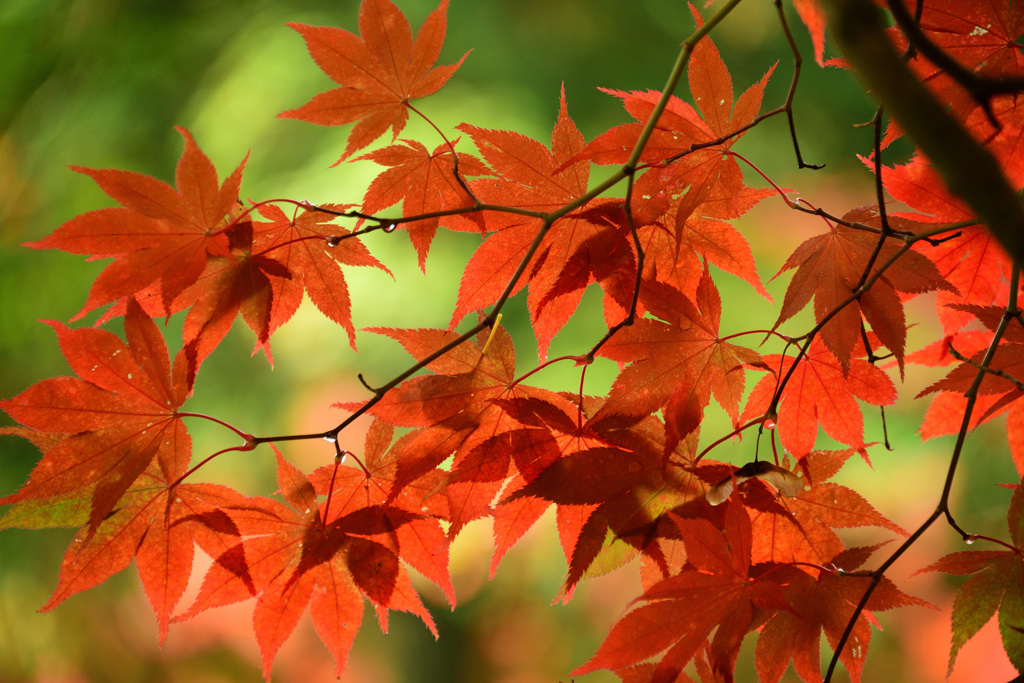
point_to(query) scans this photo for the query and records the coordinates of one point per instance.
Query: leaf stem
(248, 438)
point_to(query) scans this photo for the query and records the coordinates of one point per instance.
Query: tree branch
(968, 169)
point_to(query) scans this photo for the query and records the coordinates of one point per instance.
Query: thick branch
(968, 169)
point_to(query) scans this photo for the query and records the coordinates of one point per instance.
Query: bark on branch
(967, 168)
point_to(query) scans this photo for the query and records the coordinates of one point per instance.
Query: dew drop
(333, 241)
(390, 228)
(330, 438)
(340, 458)
(969, 540)
(769, 423)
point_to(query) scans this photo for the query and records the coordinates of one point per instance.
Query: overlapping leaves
(724, 550)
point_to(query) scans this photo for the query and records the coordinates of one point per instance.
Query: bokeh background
(102, 83)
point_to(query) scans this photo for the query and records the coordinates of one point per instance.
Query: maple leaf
(831, 267)
(996, 585)
(379, 71)
(973, 261)
(1007, 361)
(425, 182)
(819, 392)
(982, 38)
(800, 527)
(813, 16)
(677, 365)
(700, 187)
(680, 612)
(298, 243)
(161, 238)
(119, 415)
(457, 415)
(296, 557)
(674, 255)
(824, 602)
(240, 282)
(613, 490)
(946, 411)
(154, 524)
(532, 177)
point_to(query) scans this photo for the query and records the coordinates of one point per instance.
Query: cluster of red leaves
(723, 550)
(198, 248)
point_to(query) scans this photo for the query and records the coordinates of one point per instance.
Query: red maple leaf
(551, 433)
(820, 392)
(312, 249)
(824, 602)
(1007, 364)
(379, 71)
(241, 282)
(801, 528)
(532, 177)
(153, 524)
(119, 415)
(678, 364)
(690, 192)
(425, 182)
(982, 38)
(972, 261)
(613, 489)
(295, 556)
(946, 411)
(457, 413)
(999, 390)
(832, 266)
(715, 589)
(161, 237)
(674, 255)
(813, 16)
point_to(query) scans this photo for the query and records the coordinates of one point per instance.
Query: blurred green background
(102, 83)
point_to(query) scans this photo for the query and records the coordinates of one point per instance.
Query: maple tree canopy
(730, 543)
